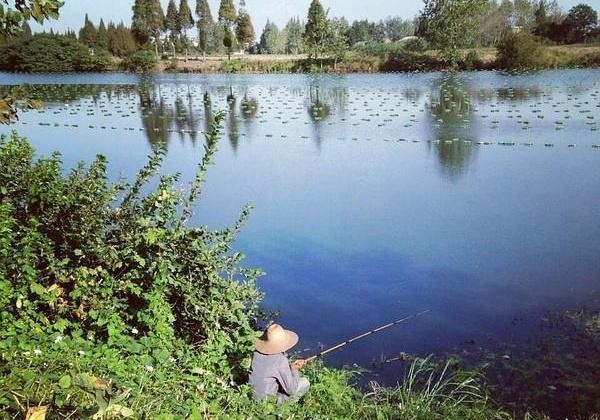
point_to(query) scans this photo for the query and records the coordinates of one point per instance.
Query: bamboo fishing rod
(363, 335)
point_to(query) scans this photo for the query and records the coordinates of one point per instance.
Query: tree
(294, 31)
(172, 21)
(122, 42)
(11, 19)
(451, 25)
(185, 19)
(148, 22)
(316, 31)
(88, 34)
(228, 41)
(580, 21)
(227, 17)
(271, 40)
(244, 30)
(361, 31)
(26, 31)
(102, 36)
(205, 25)
(520, 51)
(338, 40)
(227, 14)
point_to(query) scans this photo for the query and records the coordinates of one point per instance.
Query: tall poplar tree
(102, 36)
(227, 14)
(88, 34)
(148, 22)
(244, 30)
(451, 25)
(316, 32)
(185, 21)
(227, 17)
(172, 20)
(205, 25)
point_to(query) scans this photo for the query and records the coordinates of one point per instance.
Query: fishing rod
(363, 335)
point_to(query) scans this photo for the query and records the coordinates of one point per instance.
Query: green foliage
(140, 61)
(580, 22)
(205, 25)
(52, 53)
(11, 19)
(88, 33)
(316, 32)
(244, 30)
(184, 18)
(172, 20)
(228, 40)
(294, 32)
(113, 282)
(227, 13)
(121, 42)
(337, 45)
(521, 51)
(451, 25)
(271, 40)
(147, 21)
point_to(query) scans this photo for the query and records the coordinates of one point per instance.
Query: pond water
(473, 195)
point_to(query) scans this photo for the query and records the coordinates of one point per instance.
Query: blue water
(474, 195)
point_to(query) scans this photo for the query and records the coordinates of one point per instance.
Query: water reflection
(451, 123)
(232, 121)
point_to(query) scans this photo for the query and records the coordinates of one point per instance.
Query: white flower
(134, 330)
(81, 352)
(26, 353)
(172, 359)
(37, 352)
(149, 368)
(58, 339)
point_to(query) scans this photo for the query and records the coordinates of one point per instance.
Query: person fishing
(272, 374)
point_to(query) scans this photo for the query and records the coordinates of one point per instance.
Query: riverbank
(563, 56)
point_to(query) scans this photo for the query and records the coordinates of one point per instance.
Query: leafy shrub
(45, 53)
(141, 61)
(408, 61)
(521, 51)
(471, 61)
(416, 45)
(97, 268)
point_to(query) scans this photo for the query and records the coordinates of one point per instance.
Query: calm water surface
(474, 195)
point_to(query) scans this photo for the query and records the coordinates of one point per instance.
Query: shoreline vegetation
(555, 57)
(45, 53)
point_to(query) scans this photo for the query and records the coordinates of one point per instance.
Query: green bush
(45, 53)
(141, 61)
(416, 45)
(471, 61)
(521, 51)
(402, 60)
(96, 268)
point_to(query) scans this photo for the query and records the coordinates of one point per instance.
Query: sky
(278, 11)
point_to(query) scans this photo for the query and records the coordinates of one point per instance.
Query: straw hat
(276, 340)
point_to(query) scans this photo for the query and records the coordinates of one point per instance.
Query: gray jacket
(272, 375)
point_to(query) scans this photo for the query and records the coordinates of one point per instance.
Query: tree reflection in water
(451, 117)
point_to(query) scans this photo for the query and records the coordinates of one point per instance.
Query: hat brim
(266, 347)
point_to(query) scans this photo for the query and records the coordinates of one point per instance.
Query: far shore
(355, 62)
